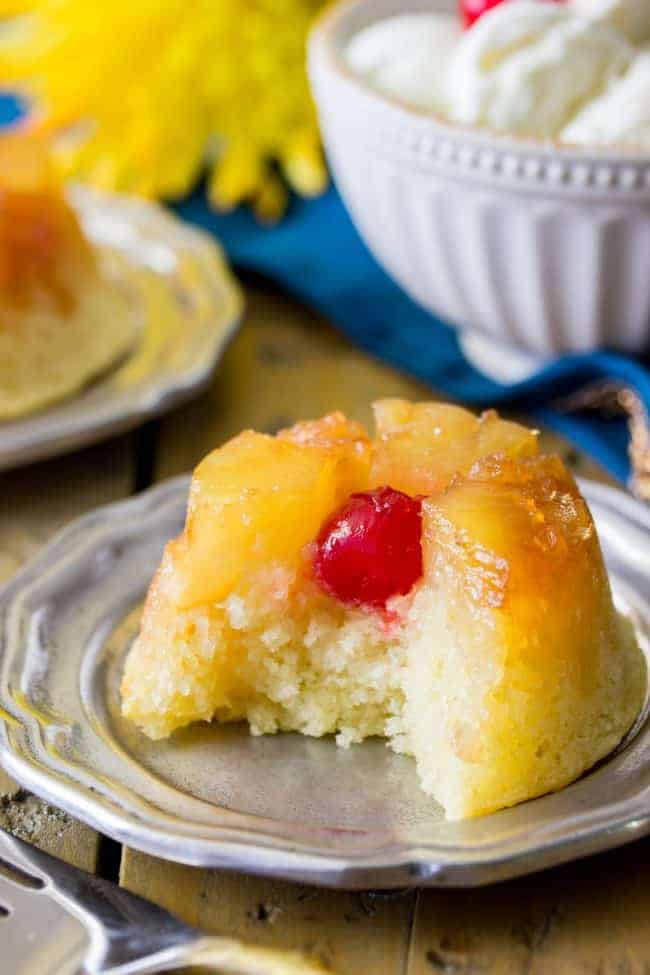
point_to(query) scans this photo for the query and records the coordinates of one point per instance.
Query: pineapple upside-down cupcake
(441, 585)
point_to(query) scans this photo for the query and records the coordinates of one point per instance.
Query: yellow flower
(139, 94)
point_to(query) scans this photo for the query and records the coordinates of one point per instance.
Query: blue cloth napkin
(11, 109)
(316, 254)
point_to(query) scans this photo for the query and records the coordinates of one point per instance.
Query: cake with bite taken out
(440, 585)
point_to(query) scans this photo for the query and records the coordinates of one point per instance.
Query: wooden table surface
(589, 918)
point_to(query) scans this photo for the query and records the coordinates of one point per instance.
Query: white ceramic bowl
(529, 245)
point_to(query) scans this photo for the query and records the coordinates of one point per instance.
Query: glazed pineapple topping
(440, 585)
(42, 248)
(371, 550)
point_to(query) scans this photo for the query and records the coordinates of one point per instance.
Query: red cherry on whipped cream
(370, 549)
(471, 10)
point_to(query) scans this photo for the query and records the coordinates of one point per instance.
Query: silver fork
(56, 920)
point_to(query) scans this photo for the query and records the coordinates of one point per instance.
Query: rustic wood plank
(34, 503)
(286, 364)
(348, 932)
(587, 917)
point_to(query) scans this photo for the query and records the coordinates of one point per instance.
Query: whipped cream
(523, 67)
(621, 116)
(630, 17)
(572, 72)
(407, 56)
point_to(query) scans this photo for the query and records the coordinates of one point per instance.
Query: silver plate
(287, 806)
(187, 304)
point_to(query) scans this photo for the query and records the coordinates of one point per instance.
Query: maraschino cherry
(471, 10)
(370, 549)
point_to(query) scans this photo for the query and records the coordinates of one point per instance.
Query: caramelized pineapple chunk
(422, 446)
(331, 432)
(42, 249)
(520, 525)
(261, 499)
(344, 441)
